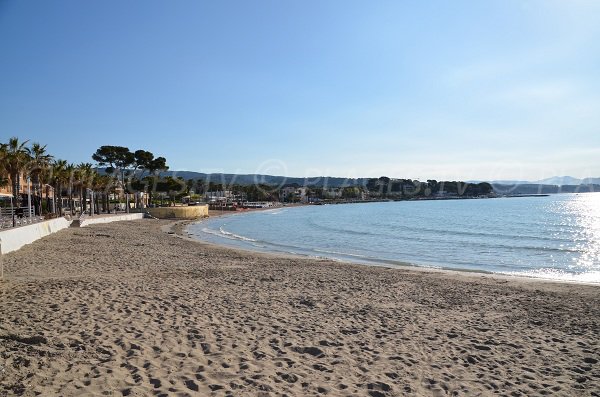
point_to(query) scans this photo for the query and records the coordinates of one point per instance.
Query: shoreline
(127, 309)
(400, 265)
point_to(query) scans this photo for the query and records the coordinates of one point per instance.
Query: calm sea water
(554, 237)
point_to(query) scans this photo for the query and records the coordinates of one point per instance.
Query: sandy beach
(125, 309)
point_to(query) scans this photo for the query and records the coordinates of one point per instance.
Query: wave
(235, 236)
(274, 211)
(222, 233)
(225, 234)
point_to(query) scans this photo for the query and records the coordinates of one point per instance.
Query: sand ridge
(126, 309)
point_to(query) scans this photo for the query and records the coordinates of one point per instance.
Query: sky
(488, 90)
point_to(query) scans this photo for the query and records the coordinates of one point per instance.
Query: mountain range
(555, 180)
(329, 181)
(568, 180)
(273, 180)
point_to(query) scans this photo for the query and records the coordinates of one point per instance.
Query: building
(293, 194)
(259, 204)
(219, 196)
(6, 190)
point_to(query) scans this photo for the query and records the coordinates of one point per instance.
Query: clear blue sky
(419, 89)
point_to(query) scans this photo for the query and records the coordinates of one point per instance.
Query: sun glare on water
(580, 221)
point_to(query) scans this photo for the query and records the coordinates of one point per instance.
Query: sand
(125, 309)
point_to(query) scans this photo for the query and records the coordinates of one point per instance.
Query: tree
(84, 177)
(158, 164)
(38, 166)
(350, 192)
(58, 180)
(45, 185)
(70, 175)
(3, 174)
(380, 185)
(118, 159)
(16, 157)
(145, 162)
(103, 184)
(141, 159)
(175, 188)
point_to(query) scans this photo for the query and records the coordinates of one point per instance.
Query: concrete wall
(191, 212)
(92, 220)
(13, 239)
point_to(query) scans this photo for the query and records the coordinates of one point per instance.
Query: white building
(222, 195)
(290, 193)
(259, 204)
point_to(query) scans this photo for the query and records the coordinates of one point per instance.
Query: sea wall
(91, 220)
(191, 212)
(14, 239)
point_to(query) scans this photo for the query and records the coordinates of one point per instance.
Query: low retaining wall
(13, 239)
(92, 220)
(191, 212)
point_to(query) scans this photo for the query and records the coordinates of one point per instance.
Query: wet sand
(127, 309)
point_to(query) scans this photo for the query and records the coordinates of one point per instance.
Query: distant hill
(591, 181)
(502, 182)
(536, 188)
(251, 179)
(568, 180)
(555, 184)
(273, 180)
(560, 180)
(555, 180)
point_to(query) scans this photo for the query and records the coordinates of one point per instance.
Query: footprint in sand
(190, 384)
(156, 383)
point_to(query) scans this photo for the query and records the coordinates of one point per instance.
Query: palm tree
(70, 175)
(84, 176)
(58, 179)
(78, 176)
(46, 183)
(40, 161)
(16, 157)
(102, 185)
(3, 175)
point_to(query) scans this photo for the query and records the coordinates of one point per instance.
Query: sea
(551, 237)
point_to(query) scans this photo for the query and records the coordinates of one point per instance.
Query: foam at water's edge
(341, 253)
(235, 236)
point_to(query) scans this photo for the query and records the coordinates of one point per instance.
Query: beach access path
(125, 309)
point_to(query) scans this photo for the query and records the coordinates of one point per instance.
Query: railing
(17, 217)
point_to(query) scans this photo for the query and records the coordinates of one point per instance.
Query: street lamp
(91, 192)
(29, 197)
(53, 200)
(12, 210)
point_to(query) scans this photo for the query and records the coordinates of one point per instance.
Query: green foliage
(116, 157)
(407, 188)
(351, 192)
